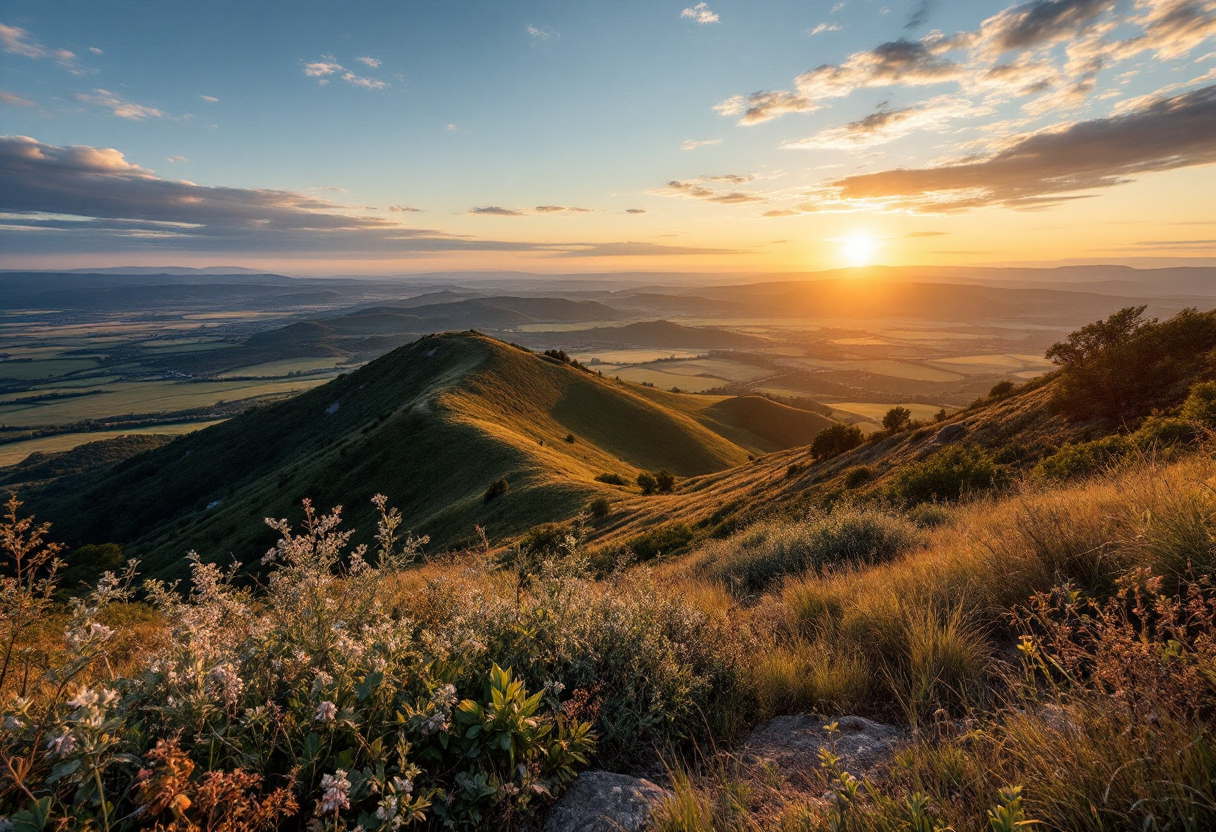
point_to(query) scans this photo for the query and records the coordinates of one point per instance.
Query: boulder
(599, 801)
(948, 434)
(792, 743)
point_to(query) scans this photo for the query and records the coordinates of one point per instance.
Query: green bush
(1083, 458)
(1200, 404)
(949, 474)
(1163, 432)
(661, 540)
(896, 419)
(858, 475)
(835, 440)
(665, 481)
(612, 479)
(599, 508)
(1001, 389)
(549, 538)
(647, 482)
(757, 558)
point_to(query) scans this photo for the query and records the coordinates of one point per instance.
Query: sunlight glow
(859, 249)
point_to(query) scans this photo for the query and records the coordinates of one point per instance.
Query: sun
(859, 249)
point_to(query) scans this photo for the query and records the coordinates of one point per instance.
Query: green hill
(432, 425)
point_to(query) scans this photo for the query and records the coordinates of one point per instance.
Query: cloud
(496, 211)
(17, 41)
(14, 100)
(632, 249)
(1172, 28)
(764, 106)
(323, 69)
(914, 234)
(781, 212)
(374, 63)
(499, 211)
(1038, 23)
(699, 189)
(1052, 166)
(635, 210)
(920, 14)
(823, 27)
(88, 199)
(560, 209)
(118, 106)
(319, 69)
(837, 8)
(405, 209)
(210, 99)
(96, 51)
(542, 34)
(700, 13)
(886, 125)
(689, 144)
(366, 83)
(176, 159)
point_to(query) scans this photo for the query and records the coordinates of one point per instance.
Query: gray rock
(599, 801)
(792, 743)
(948, 434)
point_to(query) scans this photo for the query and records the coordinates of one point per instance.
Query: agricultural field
(14, 452)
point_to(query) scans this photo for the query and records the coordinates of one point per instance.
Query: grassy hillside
(432, 425)
(660, 335)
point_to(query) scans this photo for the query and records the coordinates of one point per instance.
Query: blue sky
(720, 136)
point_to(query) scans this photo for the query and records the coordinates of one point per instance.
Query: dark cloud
(88, 199)
(920, 14)
(763, 106)
(496, 211)
(697, 189)
(635, 210)
(1043, 168)
(1039, 22)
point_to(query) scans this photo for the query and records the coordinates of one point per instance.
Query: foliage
(1001, 389)
(949, 474)
(858, 475)
(665, 481)
(1083, 458)
(896, 419)
(497, 489)
(611, 479)
(1200, 405)
(1128, 364)
(647, 482)
(599, 508)
(661, 540)
(835, 440)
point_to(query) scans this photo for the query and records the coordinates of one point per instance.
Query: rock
(792, 743)
(599, 801)
(948, 434)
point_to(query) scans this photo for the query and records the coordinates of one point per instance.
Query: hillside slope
(431, 425)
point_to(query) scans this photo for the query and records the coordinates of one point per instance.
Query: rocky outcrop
(792, 743)
(599, 801)
(947, 435)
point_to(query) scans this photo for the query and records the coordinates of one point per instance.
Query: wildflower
(62, 745)
(84, 698)
(12, 723)
(226, 683)
(554, 687)
(107, 697)
(402, 785)
(326, 711)
(337, 792)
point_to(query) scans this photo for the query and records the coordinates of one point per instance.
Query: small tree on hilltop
(897, 419)
(835, 440)
(647, 482)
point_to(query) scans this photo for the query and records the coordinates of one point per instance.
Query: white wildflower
(12, 723)
(554, 687)
(336, 796)
(63, 744)
(322, 680)
(326, 711)
(402, 785)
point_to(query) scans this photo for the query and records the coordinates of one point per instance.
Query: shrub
(647, 482)
(665, 481)
(549, 539)
(1200, 404)
(930, 515)
(661, 540)
(858, 475)
(1163, 432)
(611, 479)
(835, 440)
(941, 415)
(570, 438)
(1083, 459)
(949, 474)
(497, 489)
(599, 508)
(1001, 389)
(762, 555)
(896, 419)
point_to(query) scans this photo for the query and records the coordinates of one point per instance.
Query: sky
(606, 135)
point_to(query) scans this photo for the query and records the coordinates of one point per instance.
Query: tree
(897, 419)
(1001, 388)
(647, 482)
(666, 481)
(1094, 339)
(835, 440)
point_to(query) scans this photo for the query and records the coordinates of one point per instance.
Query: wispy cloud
(94, 200)
(700, 13)
(708, 188)
(210, 99)
(410, 209)
(374, 63)
(823, 27)
(119, 106)
(14, 100)
(1052, 166)
(689, 144)
(17, 41)
(635, 210)
(542, 34)
(885, 125)
(499, 211)
(177, 159)
(765, 106)
(96, 51)
(329, 67)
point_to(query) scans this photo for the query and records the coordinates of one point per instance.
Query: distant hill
(660, 335)
(91, 456)
(431, 425)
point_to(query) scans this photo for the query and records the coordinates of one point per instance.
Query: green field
(14, 452)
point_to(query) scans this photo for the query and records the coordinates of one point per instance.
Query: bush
(1083, 459)
(549, 539)
(1200, 405)
(858, 475)
(949, 474)
(930, 515)
(1163, 432)
(497, 489)
(570, 438)
(612, 479)
(665, 481)
(896, 419)
(835, 440)
(1001, 389)
(599, 508)
(762, 555)
(647, 482)
(661, 540)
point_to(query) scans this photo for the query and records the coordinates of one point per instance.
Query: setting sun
(859, 249)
